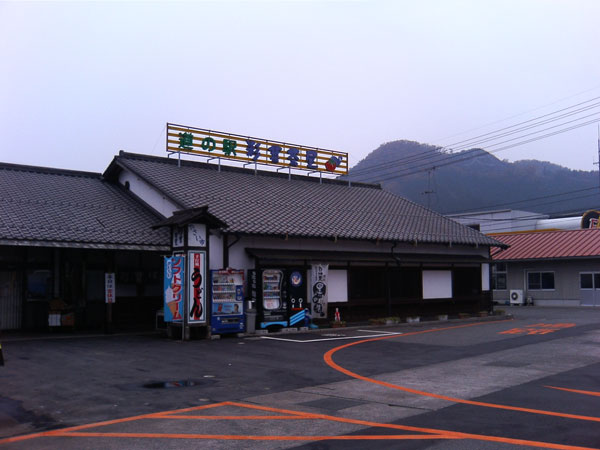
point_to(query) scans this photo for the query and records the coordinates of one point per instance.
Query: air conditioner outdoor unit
(516, 297)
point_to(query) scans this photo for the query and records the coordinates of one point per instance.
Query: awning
(273, 256)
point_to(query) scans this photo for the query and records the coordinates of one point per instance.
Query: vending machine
(279, 296)
(227, 301)
(296, 294)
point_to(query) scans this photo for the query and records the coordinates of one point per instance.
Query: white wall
(148, 193)
(437, 284)
(215, 259)
(485, 277)
(337, 285)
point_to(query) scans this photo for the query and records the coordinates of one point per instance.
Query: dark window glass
(499, 276)
(534, 281)
(499, 267)
(547, 280)
(466, 281)
(586, 281)
(39, 284)
(405, 283)
(499, 281)
(367, 283)
(540, 280)
(597, 280)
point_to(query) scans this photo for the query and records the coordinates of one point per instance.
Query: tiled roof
(184, 217)
(268, 203)
(549, 245)
(41, 206)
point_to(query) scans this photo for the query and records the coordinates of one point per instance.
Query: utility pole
(598, 163)
(429, 191)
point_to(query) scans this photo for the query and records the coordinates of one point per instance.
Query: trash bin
(251, 321)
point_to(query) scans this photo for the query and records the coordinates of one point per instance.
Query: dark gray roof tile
(61, 206)
(268, 203)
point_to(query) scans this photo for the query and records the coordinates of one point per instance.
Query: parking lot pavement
(529, 382)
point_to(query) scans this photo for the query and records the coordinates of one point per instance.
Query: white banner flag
(318, 291)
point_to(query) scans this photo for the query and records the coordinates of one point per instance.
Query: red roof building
(551, 268)
(548, 245)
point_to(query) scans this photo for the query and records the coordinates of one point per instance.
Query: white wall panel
(437, 284)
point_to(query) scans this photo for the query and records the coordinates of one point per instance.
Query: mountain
(475, 180)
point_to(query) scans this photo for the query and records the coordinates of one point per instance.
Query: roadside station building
(386, 255)
(61, 231)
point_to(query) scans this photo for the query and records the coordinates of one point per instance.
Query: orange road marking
(538, 328)
(329, 361)
(99, 424)
(233, 417)
(431, 433)
(331, 438)
(577, 391)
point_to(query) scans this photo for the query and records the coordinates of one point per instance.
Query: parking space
(331, 335)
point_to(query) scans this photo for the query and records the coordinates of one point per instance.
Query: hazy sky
(82, 80)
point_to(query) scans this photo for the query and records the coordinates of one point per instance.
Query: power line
(520, 114)
(435, 155)
(533, 199)
(534, 119)
(431, 159)
(467, 155)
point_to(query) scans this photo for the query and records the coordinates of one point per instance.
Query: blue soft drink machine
(227, 301)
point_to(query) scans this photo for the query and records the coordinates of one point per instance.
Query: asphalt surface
(529, 382)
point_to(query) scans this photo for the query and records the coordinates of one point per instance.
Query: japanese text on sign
(539, 328)
(242, 148)
(173, 288)
(109, 287)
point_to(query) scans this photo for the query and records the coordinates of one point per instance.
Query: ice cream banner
(197, 287)
(318, 290)
(174, 288)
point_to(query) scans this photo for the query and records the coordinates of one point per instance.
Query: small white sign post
(109, 298)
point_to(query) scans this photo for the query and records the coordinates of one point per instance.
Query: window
(589, 280)
(367, 283)
(540, 281)
(586, 280)
(39, 284)
(466, 281)
(499, 277)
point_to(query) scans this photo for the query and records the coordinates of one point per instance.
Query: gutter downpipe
(226, 247)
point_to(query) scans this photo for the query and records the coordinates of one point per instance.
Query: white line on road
(326, 339)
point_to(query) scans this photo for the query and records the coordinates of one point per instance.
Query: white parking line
(383, 333)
